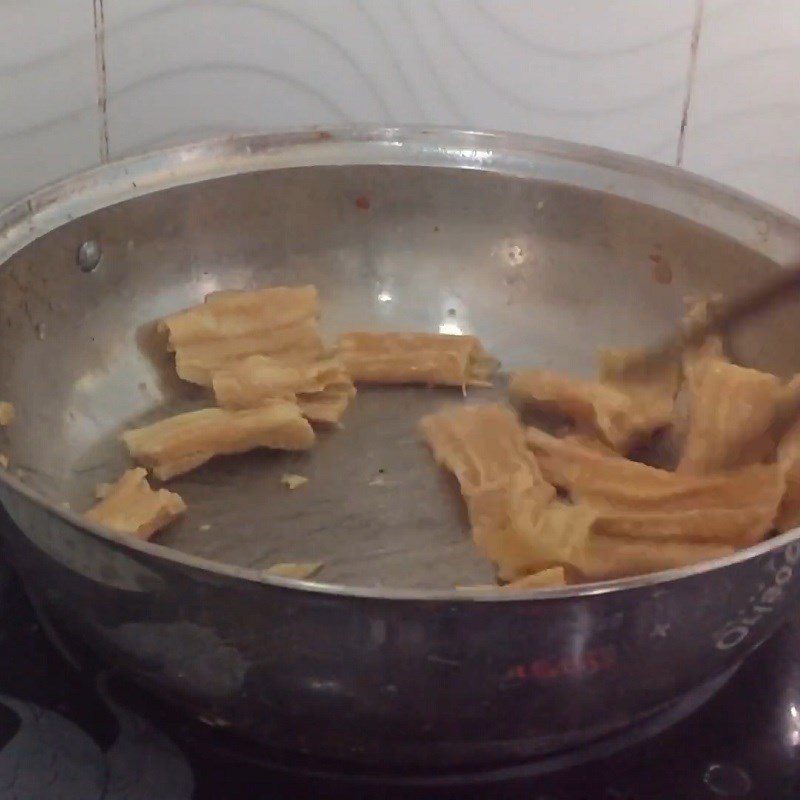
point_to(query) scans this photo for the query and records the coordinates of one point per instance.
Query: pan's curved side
(423, 683)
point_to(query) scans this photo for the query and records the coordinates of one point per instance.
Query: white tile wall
(581, 70)
(48, 93)
(608, 72)
(744, 123)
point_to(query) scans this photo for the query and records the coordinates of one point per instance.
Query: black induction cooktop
(72, 730)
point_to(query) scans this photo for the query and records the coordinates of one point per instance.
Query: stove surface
(71, 732)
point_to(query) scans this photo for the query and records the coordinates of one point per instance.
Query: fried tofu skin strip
(557, 535)
(731, 412)
(321, 388)
(589, 404)
(516, 519)
(484, 447)
(423, 358)
(567, 535)
(247, 383)
(608, 558)
(183, 442)
(622, 412)
(641, 502)
(131, 506)
(277, 320)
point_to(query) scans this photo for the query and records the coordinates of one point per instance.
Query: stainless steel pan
(543, 249)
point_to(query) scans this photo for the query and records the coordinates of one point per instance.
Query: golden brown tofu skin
(327, 406)
(321, 387)
(637, 501)
(421, 358)
(247, 383)
(557, 535)
(181, 443)
(544, 579)
(484, 447)
(567, 535)
(276, 320)
(608, 558)
(131, 506)
(518, 521)
(622, 413)
(731, 412)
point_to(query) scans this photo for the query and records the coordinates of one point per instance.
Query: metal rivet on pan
(727, 780)
(89, 255)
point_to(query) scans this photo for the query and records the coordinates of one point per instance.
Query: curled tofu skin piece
(567, 535)
(557, 535)
(622, 412)
(725, 414)
(516, 518)
(183, 442)
(131, 506)
(484, 447)
(731, 411)
(230, 325)
(420, 358)
(637, 501)
(321, 388)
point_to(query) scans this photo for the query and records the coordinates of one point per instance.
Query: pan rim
(52, 206)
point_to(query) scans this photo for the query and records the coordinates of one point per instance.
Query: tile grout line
(694, 46)
(102, 78)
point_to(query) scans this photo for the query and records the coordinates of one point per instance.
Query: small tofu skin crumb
(292, 481)
(6, 413)
(300, 570)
